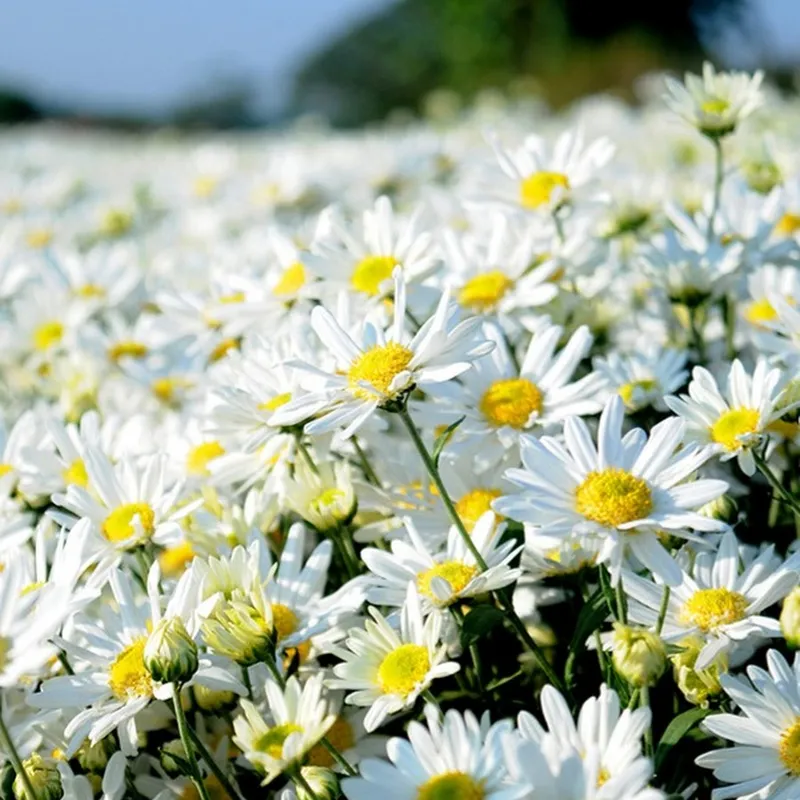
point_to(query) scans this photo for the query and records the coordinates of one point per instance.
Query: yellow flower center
(474, 504)
(12, 205)
(456, 573)
(789, 748)
(284, 620)
(627, 390)
(76, 474)
(760, 311)
(222, 348)
(732, 424)
(371, 272)
(199, 457)
(341, 736)
(276, 402)
(782, 427)
(90, 290)
(5, 469)
(613, 497)
(716, 105)
(788, 224)
(485, 291)
(232, 298)
(537, 189)
(327, 499)
(378, 367)
(403, 669)
(602, 777)
(128, 677)
(204, 186)
(116, 222)
(291, 281)
(39, 238)
(119, 524)
(511, 401)
(711, 608)
(451, 786)
(272, 741)
(167, 389)
(126, 349)
(47, 335)
(174, 559)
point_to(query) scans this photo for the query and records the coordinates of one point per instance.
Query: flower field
(455, 460)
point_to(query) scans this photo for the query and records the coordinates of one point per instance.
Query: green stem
(622, 606)
(366, 467)
(644, 694)
(303, 450)
(503, 600)
(776, 485)
(696, 326)
(473, 651)
(214, 767)
(559, 226)
(11, 752)
(246, 680)
(729, 317)
(662, 611)
(183, 731)
(297, 777)
(632, 703)
(718, 175)
(344, 545)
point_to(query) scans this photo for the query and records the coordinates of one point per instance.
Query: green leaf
(443, 438)
(676, 730)
(592, 616)
(478, 622)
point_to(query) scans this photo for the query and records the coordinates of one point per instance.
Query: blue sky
(147, 54)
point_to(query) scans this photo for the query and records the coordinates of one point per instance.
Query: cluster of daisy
(456, 461)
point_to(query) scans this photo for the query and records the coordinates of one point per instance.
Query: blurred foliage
(570, 48)
(16, 107)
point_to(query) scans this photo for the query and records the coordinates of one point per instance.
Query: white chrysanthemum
(624, 491)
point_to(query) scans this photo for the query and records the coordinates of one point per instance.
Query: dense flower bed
(447, 462)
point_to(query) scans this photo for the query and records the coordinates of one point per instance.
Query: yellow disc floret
(119, 524)
(788, 224)
(284, 620)
(378, 367)
(291, 281)
(451, 786)
(456, 573)
(403, 669)
(474, 504)
(537, 189)
(127, 676)
(371, 272)
(47, 335)
(272, 741)
(628, 390)
(485, 291)
(201, 455)
(710, 608)
(789, 748)
(759, 312)
(76, 474)
(613, 497)
(716, 105)
(733, 424)
(127, 349)
(511, 401)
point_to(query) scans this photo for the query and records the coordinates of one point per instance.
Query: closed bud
(722, 508)
(213, 699)
(322, 781)
(44, 778)
(638, 655)
(173, 759)
(170, 654)
(241, 632)
(790, 618)
(697, 685)
(94, 757)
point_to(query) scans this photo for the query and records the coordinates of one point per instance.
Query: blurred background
(198, 64)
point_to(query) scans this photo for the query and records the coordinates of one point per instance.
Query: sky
(146, 55)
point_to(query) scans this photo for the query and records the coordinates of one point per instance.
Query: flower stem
(213, 766)
(366, 467)
(297, 777)
(622, 606)
(644, 696)
(303, 450)
(662, 611)
(718, 175)
(183, 731)
(776, 485)
(502, 598)
(8, 745)
(473, 651)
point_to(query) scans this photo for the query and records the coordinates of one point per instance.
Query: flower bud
(697, 685)
(213, 699)
(44, 777)
(241, 632)
(790, 618)
(638, 655)
(170, 654)
(173, 759)
(723, 508)
(94, 757)
(323, 782)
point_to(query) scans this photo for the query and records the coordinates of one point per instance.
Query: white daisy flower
(716, 103)
(456, 756)
(736, 422)
(389, 669)
(765, 759)
(299, 719)
(441, 578)
(716, 600)
(388, 365)
(624, 491)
